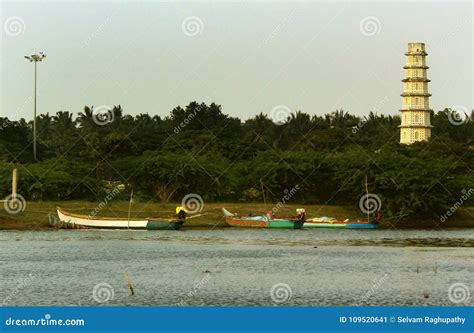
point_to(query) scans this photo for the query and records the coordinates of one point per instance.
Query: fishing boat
(66, 220)
(329, 222)
(261, 221)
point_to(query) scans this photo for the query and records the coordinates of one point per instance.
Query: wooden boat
(329, 222)
(66, 220)
(260, 221)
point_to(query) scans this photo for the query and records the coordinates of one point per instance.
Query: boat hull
(163, 225)
(260, 222)
(67, 220)
(272, 224)
(343, 225)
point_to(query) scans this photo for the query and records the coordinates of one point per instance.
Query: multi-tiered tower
(416, 122)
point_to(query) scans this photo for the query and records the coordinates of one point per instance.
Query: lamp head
(36, 57)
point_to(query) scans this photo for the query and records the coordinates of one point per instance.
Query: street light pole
(35, 58)
(34, 120)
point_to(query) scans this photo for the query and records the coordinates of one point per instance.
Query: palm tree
(85, 120)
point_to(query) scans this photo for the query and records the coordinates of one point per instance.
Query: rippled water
(235, 267)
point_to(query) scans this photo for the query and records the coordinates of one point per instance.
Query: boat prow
(227, 213)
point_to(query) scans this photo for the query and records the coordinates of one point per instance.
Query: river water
(232, 266)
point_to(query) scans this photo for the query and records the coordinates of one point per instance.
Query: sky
(249, 57)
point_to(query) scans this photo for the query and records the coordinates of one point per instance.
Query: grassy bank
(35, 215)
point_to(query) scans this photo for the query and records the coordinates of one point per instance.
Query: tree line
(200, 149)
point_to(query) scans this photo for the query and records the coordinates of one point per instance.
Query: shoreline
(35, 215)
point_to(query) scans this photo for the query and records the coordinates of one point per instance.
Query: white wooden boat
(72, 221)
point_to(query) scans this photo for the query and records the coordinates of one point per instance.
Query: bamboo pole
(129, 207)
(367, 191)
(129, 283)
(263, 192)
(14, 184)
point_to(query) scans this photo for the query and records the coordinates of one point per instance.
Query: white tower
(416, 122)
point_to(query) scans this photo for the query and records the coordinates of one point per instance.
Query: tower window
(416, 135)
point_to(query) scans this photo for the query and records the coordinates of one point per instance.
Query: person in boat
(269, 215)
(377, 216)
(300, 214)
(181, 213)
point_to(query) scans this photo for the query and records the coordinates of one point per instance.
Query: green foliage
(53, 179)
(199, 149)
